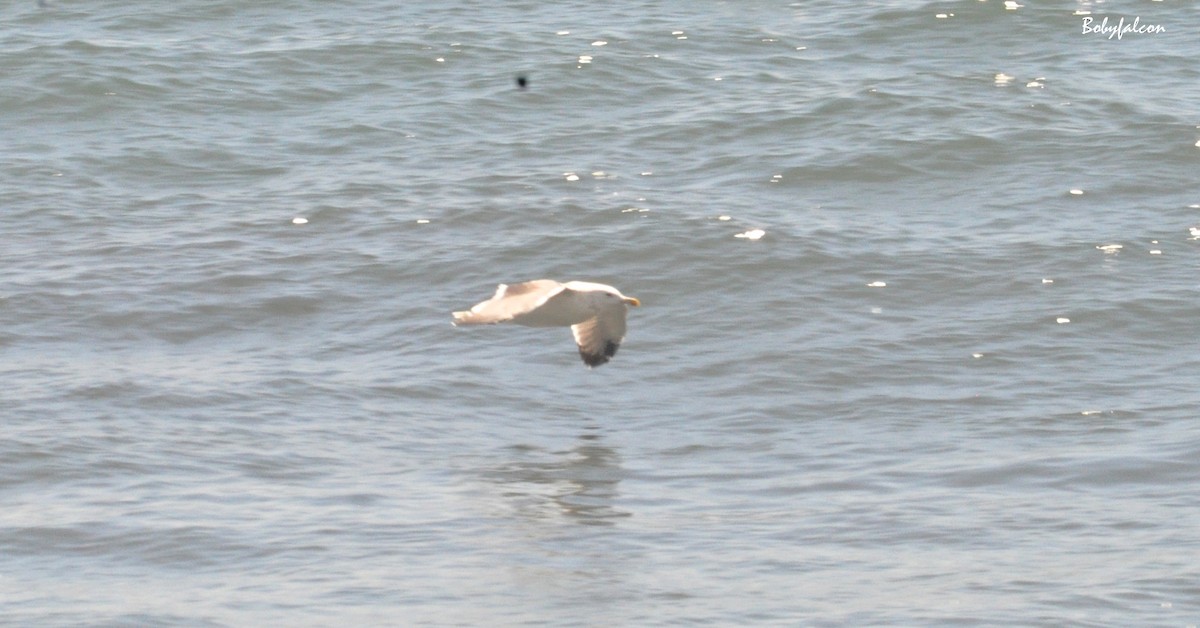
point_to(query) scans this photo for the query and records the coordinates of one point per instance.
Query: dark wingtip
(596, 359)
(593, 359)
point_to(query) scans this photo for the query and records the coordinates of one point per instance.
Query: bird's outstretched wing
(510, 302)
(600, 337)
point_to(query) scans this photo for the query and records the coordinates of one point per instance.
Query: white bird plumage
(595, 313)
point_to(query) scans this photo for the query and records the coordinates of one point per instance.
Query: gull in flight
(594, 312)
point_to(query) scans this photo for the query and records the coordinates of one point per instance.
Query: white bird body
(595, 312)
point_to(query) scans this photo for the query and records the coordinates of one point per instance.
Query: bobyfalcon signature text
(1120, 29)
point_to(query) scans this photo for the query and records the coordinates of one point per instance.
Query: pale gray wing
(600, 337)
(509, 301)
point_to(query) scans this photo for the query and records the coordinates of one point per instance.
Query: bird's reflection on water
(579, 483)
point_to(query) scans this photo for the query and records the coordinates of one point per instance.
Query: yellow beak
(632, 301)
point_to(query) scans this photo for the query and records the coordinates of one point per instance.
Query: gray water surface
(952, 383)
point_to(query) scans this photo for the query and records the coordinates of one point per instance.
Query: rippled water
(953, 382)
